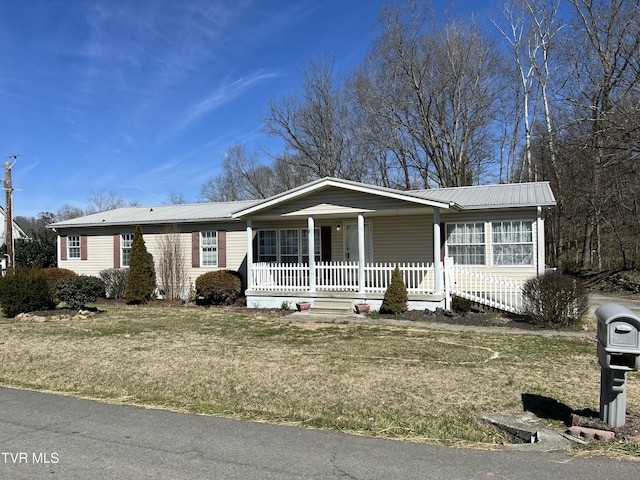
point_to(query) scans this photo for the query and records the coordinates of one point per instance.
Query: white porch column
(540, 242)
(249, 255)
(361, 254)
(312, 254)
(437, 269)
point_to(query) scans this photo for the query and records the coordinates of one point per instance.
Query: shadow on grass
(546, 407)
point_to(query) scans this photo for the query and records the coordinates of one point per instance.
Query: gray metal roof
(468, 198)
(508, 195)
(161, 214)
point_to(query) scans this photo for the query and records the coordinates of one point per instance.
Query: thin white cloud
(225, 93)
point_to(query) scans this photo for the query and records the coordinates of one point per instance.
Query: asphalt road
(44, 436)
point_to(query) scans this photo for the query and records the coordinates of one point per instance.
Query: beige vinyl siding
(337, 201)
(100, 248)
(402, 239)
(236, 249)
(99, 256)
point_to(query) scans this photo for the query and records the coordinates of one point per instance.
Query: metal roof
(508, 195)
(161, 214)
(467, 198)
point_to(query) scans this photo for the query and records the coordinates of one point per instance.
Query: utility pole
(8, 212)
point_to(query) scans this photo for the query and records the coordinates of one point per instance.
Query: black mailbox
(618, 338)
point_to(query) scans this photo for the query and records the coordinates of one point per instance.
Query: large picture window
(466, 243)
(512, 242)
(73, 246)
(288, 245)
(125, 246)
(209, 249)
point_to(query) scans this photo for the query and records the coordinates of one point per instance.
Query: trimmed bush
(79, 291)
(555, 299)
(115, 282)
(460, 304)
(142, 273)
(55, 274)
(221, 287)
(24, 290)
(396, 299)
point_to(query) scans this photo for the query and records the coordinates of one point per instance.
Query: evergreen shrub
(142, 273)
(78, 291)
(115, 281)
(220, 287)
(24, 290)
(555, 299)
(460, 304)
(396, 298)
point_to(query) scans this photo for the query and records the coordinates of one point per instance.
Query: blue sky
(143, 97)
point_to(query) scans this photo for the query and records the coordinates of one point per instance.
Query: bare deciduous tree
(435, 91)
(172, 264)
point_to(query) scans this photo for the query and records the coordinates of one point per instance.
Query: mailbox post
(618, 353)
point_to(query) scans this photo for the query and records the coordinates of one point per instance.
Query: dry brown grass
(416, 384)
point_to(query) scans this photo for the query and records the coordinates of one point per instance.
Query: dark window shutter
(222, 248)
(116, 251)
(443, 242)
(325, 243)
(63, 247)
(195, 249)
(83, 247)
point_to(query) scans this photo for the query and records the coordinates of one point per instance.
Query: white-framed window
(304, 243)
(267, 246)
(209, 248)
(73, 246)
(126, 240)
(466, 243)
(512, 242)
(289, 245)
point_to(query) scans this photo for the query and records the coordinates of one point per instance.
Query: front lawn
(401, 382)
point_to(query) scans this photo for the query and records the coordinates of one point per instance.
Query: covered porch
(353, 275)
(340, 239)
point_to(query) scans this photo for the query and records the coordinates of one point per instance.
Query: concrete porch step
(332, 306)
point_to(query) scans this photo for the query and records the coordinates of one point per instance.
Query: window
(305, 244)
(512, 242)
(209, 248)
(465, 243)
(289, 247)
(125, 246)
(267, 246)
(73, 245)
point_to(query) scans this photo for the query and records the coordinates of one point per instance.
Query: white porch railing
(418, 277)
(483, 287)
(476, 284)
(341, 277)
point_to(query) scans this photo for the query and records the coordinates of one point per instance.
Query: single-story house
(480, 242)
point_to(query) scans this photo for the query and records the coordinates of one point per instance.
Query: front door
(351, 250)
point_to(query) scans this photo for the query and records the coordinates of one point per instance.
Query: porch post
(361, 252)
(540, 242)
(249, 255)
(312, 254)
(437, 270)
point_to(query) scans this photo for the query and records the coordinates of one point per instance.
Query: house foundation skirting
(288, 299)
